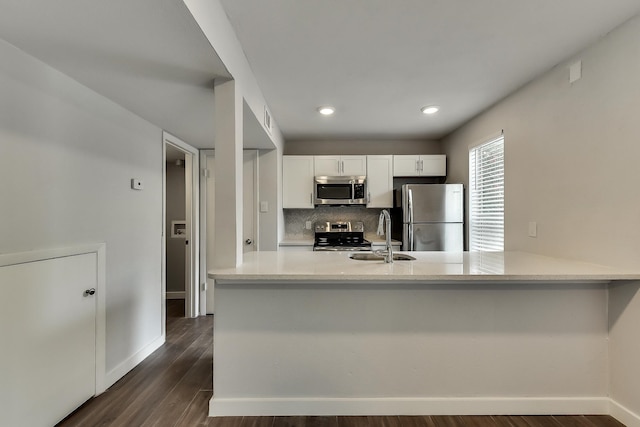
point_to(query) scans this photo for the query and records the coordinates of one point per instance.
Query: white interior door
(48, 330)
(250, 222)
(249, 206)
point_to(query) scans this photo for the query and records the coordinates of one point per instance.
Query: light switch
(136, 184)
(264, 207)
(533, 229)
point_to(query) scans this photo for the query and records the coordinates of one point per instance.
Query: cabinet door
(406, 165)
(297, 182)
(380, 181)
(433, 165)
(353, 165)
(327, 165)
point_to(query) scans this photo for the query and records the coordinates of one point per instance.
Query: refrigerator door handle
(410, 205)
(411, 246)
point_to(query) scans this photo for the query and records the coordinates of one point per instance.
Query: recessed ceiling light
(326, 111)
(430, 109)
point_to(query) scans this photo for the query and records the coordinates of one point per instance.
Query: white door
(353, 165)
(406, 165)
(297, 182)
(249, 212)
(48, 330)
(327, 165)
(380, 181)
(433, 165)
(249, 206)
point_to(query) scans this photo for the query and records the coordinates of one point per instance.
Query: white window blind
(486, 196)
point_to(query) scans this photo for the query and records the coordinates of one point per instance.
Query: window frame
(486, 195)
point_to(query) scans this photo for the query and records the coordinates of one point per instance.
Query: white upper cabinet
(340, 165)
(297, 182)
(380, 181)
(420, 165)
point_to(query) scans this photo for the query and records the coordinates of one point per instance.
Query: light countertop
(428, 266)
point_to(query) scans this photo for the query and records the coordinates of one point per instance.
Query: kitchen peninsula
(317, 333)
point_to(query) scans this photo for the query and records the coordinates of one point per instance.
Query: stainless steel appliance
(340, 236)
(432, 217)
(340, 190)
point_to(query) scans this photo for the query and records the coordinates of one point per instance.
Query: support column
(228, 175)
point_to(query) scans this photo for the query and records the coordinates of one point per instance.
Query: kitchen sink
(372, 256)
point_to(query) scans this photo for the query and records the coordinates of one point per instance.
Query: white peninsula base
(399, 343)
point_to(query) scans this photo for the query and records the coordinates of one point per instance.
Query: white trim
(163, 242)
(192, 167)
(408, 406)
(253, 157)
(490, 137)
(175, 295)
(100, 249)
(131, 362)
(623, 414)
(205, 224)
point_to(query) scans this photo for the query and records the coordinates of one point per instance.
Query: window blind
(486, 196)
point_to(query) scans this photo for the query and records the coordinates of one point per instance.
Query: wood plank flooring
(172, 388)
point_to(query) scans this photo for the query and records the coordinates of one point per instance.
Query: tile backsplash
(295, 219)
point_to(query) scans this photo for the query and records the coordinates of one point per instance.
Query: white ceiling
(379, 61)
(149, 56)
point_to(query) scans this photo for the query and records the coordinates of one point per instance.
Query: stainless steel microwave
(340, 190)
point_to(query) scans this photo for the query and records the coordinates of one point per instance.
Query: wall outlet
(307, 225)
(533, 229)
(264, 207)
(136, 184)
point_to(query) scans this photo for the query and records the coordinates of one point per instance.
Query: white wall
(268, 192)
(214, 23)
(571, 153)
(67, 156)
(362, 146)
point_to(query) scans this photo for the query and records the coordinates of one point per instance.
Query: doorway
(250, 191)
(180, 218)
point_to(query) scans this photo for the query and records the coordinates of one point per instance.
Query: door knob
(248, 241)
(88, 292)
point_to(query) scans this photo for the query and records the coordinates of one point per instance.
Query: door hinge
(205, 173)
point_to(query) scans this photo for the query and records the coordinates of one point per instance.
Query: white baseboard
(175, 295)
(123, 368)
(408, 406)
(624, 415)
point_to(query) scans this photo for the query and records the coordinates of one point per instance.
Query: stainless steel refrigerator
(432, 217)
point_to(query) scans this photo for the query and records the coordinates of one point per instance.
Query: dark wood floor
(172, 387)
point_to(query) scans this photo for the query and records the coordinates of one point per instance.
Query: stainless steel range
(340, 236)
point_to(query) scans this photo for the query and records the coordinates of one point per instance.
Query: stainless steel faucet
(388, 252)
